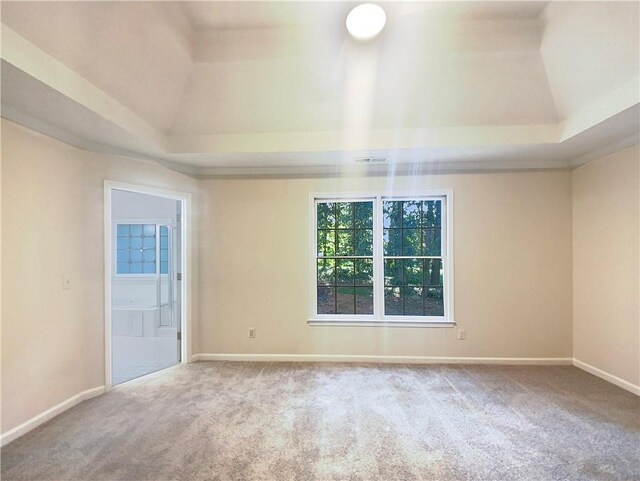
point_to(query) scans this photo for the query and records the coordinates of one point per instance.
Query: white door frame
(186, 250)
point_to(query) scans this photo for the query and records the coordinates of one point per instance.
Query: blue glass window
(136, 249)
(164, 250)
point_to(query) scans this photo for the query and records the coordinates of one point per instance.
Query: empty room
(320, 240)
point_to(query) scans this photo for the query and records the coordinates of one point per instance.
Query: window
(345, 257)
(164, 249)
(413, 276)
(142, 249)
(381, 259)
(136, 246)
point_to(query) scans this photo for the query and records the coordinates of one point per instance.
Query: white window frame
(378, 318)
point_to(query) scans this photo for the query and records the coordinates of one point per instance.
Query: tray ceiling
(217, 88)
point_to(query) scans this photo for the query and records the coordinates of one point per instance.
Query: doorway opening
(145, 259)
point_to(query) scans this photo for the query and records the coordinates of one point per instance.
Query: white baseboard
(607, 377)
(533, 361)
(547, 361)
(45, 416)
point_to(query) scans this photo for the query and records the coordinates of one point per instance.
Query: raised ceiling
(216, 88)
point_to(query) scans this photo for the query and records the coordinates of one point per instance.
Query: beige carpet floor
(264, 421)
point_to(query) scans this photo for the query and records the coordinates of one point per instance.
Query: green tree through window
(413, 270)
(410, 241)
(344, 260)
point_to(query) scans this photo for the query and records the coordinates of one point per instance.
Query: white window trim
(379, 319)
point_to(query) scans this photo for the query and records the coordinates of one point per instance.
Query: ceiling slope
(139, 53)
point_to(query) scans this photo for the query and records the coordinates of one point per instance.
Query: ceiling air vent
(370, 160)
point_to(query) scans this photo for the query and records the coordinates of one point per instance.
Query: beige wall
(606, 263)
(52, 206)
(512, 268)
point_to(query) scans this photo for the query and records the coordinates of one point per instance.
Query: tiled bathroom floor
(136, 356)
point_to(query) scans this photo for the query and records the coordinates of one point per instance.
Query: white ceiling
(140, 56)
(265, 87)
(246, 15)
(254, 15)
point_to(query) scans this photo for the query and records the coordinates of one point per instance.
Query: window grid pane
(136, 249)
(412, 228)
(164, 249)
(413, 285)
(344, 282)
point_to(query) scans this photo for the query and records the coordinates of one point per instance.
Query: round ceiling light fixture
(366, 21)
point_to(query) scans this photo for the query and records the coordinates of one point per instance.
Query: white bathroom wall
(133, 205)
(128, 207)
(134, 292)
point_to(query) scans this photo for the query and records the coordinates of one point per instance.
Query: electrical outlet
(462, 335)
(252, 333)
(66, 283)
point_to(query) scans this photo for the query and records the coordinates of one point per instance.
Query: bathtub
(141, 321)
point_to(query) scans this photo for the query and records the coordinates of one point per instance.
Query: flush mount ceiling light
(366, 21)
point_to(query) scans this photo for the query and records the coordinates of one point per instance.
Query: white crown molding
(50, 413)
(600, 110)
(339, 140)
(405, 168)
(617, 146)
(46, 129)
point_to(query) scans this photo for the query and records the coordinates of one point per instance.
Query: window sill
(381, 323)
